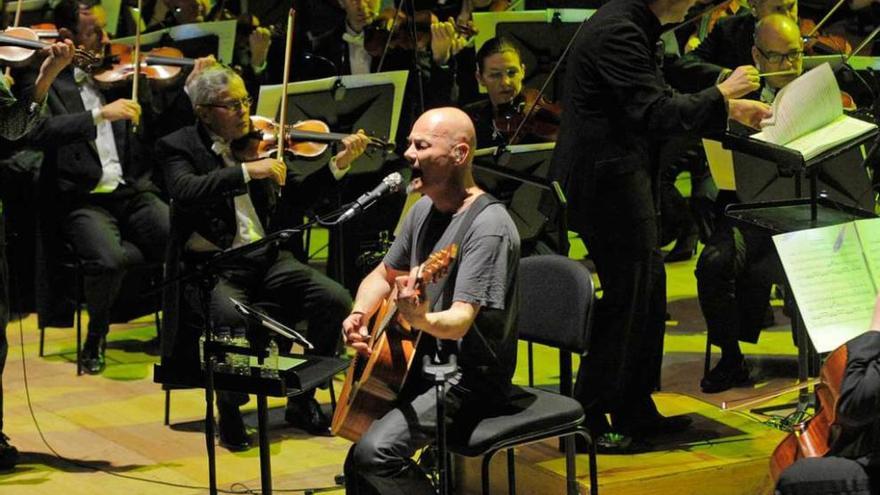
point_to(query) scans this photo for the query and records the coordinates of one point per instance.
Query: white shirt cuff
(338, 173)
(97, 118)
(244, 172)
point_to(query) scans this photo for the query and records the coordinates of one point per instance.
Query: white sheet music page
(808, 115)
(830, 280)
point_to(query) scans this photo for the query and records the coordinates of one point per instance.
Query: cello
(812, 438)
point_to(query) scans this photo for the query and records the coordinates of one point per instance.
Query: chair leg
(531, 366)
(332, 396)
(511, 472)
(167, 407)
(78, 291)
(594, 470)
(487, 458)
(42, 339)
(570, 466)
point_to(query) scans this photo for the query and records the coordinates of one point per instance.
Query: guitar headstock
(437, 264)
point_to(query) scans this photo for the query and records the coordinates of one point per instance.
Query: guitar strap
(444, 291)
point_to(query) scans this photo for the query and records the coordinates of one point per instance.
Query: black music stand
(541, 45)
(776, 217)
(372, 102)
(521, 183)
(315, 371)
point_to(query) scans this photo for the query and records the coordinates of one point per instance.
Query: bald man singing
(471, 312)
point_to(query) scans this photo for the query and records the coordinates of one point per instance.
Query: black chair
(557, 299)
(70, 262)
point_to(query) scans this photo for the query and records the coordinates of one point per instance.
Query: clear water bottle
(241, 363)
(270, 364)
(223, 337)
(202, 350)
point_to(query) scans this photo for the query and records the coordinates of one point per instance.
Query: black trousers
(109, 233)
(829, 476)
(623, 365)
(734, 274)
(285, 287)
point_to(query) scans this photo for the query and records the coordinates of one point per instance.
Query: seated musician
(17, 115)
(501, 71)
(97, 179)
(737, 267)
(851, 465)
(728, 45)
(223, 201)
(474, 319)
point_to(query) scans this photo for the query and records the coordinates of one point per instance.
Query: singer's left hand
(353, 146)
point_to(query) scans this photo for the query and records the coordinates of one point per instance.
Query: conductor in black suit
(618, 110)
(223, 201)
(96, 180)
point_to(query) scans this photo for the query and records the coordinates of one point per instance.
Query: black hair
(495, 45)
(66, 14)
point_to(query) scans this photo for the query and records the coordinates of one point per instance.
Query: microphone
(389, 185)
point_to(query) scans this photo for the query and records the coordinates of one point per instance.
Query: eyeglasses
(232, 105)
(777, 58)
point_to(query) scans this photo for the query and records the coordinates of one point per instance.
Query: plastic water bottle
(223, 337)
(270, 364)
(241, 363)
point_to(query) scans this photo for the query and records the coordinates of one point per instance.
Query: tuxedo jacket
(67, 136)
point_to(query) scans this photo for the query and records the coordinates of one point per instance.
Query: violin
(541, 116)
(816, 43)
(161, 66)
(393, 28)
(812, 437)
(18, 45)
(305, 139)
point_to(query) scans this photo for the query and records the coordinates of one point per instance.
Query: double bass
(812, 438)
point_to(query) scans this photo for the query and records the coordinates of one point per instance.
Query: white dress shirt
(105, 142)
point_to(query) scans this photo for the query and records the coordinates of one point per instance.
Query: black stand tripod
(440, 374)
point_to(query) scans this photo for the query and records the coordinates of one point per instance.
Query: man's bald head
(450, 123)
(778, 48)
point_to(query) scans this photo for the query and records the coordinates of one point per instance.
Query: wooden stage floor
(111, 425)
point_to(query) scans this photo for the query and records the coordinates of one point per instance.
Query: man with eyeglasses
(728, 45)
(224, 200)
(96, 185)
(737, 267)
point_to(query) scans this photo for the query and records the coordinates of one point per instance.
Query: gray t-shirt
(486, 275)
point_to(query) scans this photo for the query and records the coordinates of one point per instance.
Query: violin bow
(282, 118)
(136, 58)
(825, 19)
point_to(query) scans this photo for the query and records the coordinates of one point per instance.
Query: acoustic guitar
(373, 383)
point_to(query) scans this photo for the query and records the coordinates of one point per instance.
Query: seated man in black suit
(223, 201)
(96, 179)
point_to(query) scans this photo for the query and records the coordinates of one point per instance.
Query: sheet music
(868, 231)
(720, 164)
(804, 105)
(830, 282)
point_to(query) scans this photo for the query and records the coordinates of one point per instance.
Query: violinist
(223, 199)
(737, 267)
(17, 115)
(500, 71)
(96, 181)
(618, 109)
(851, 466)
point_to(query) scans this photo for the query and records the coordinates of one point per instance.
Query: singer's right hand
(267, 168)
(356, 334)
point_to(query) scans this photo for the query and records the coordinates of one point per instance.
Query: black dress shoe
(92, 356)
(685, 248)
(8, 453)
(725, 375)
(233, 434)
(306, 414)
